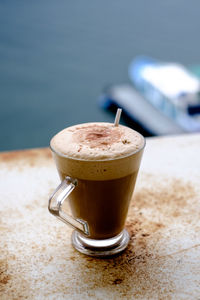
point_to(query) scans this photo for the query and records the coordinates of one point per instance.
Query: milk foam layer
(97, 141)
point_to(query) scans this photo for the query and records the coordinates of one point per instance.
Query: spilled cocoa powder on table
(139, 271)
(157, 203)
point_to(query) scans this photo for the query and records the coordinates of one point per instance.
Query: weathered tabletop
(162, 261)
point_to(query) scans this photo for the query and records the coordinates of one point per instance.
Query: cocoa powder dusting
(167, 196)
(29, 157)
(4, 276)
(97, 136)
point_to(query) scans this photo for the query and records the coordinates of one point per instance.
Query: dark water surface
(56, 56)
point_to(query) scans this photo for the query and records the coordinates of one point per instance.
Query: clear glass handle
(58, 198)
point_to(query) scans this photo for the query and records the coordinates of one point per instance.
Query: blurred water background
(56, 56)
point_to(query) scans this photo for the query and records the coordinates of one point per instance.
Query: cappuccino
(104, 159)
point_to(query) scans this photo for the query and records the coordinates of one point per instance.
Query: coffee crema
(97, 141)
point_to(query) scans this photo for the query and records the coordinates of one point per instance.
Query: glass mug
(99, 207)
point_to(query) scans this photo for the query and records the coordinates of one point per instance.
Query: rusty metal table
(162, 260)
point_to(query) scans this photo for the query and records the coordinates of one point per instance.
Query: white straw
(117, 117)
